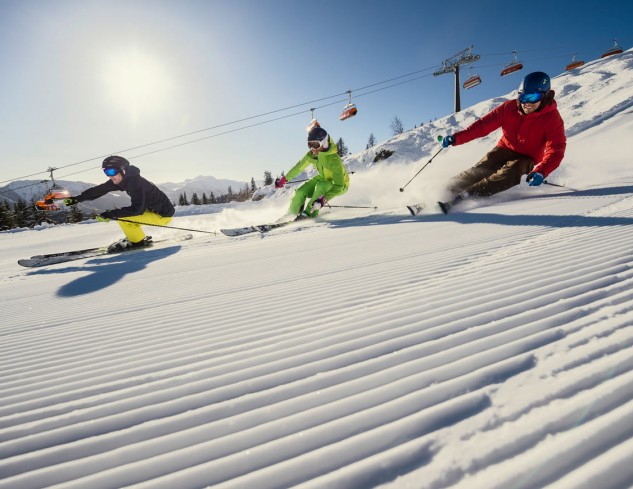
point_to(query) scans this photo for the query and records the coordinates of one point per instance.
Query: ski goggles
(314, 144)
(531, 98)
(110, 171)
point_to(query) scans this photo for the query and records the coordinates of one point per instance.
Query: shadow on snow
(107, 270)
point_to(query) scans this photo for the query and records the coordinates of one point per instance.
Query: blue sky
(83, 79)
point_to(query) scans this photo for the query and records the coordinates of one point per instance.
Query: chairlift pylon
(513, 66)
(611, 51)
(574, 63)
(349, 110)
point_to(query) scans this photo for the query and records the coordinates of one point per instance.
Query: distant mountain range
(35, 190)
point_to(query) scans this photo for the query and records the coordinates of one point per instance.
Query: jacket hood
(332, 147)
(132, 171)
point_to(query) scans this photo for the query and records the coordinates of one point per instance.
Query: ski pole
(306, 179)
(557, 185)
(353, 206)
(162, 226)
(427, 163)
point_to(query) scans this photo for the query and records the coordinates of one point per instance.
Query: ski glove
(71, 201)
(448, 141)
(105, 216)
(319, 203)
(534, 179)
(280, 182)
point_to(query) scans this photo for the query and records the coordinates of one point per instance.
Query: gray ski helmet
(117, 162)
(535, 82)
(317, 133)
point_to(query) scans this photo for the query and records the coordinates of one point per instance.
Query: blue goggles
(110, 171)
(531, 98)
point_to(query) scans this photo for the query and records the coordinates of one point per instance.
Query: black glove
(71, 201)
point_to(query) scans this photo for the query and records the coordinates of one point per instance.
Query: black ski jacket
(144, 194)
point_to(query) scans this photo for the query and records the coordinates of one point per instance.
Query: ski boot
(446, 206)
(124, 244)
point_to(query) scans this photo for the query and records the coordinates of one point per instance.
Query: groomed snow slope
(490, 348)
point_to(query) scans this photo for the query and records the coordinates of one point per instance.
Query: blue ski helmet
(118, 162)
(534, 83)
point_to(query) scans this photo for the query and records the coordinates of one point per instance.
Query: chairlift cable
(357, 95)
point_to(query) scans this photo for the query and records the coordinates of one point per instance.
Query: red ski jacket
(539, 135)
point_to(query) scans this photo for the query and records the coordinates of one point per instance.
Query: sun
(136, 83)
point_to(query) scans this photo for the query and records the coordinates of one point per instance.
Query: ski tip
(415, 209)
(444, 206)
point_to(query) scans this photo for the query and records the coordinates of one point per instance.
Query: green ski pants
(312, 190)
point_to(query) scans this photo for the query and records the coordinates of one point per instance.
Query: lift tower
(451, 65)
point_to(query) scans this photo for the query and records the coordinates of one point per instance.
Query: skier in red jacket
(533, 143)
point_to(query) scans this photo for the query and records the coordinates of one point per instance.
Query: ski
(444, 206)
(415, 209)
(66, 256)
(262, 228)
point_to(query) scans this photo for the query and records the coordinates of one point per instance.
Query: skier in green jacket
(332, 179)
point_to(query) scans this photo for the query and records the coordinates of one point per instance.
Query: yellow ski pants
(133, 231)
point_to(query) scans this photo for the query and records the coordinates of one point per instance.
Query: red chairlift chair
(471, 81)
(512, 66)
(349, 110)
(574, 64)
(614, 50)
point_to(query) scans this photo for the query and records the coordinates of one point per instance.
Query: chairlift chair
(471, 81)
(49, 203)
(611, 51)
(512, 66)
(574, 64)
(349, 110)
(53, 194)
(42, 205)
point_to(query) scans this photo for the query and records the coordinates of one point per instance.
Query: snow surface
(490, 348)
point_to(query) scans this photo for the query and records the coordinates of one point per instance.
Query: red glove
(280, 182)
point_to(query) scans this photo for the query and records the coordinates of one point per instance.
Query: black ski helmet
(535, 82)
(317, 133)
(117, 162)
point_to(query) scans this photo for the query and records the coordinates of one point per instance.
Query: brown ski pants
(499, 170)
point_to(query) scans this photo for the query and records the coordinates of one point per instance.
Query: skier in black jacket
(149, 204)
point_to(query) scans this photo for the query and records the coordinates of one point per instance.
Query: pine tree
(396, 126)
(182, 199)
(194, 199)
(268, 178)
(20, 214)
(371, 142)
(6, 216)
(253, 186)
(205, 200)
(342, 149)
(75, 214)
